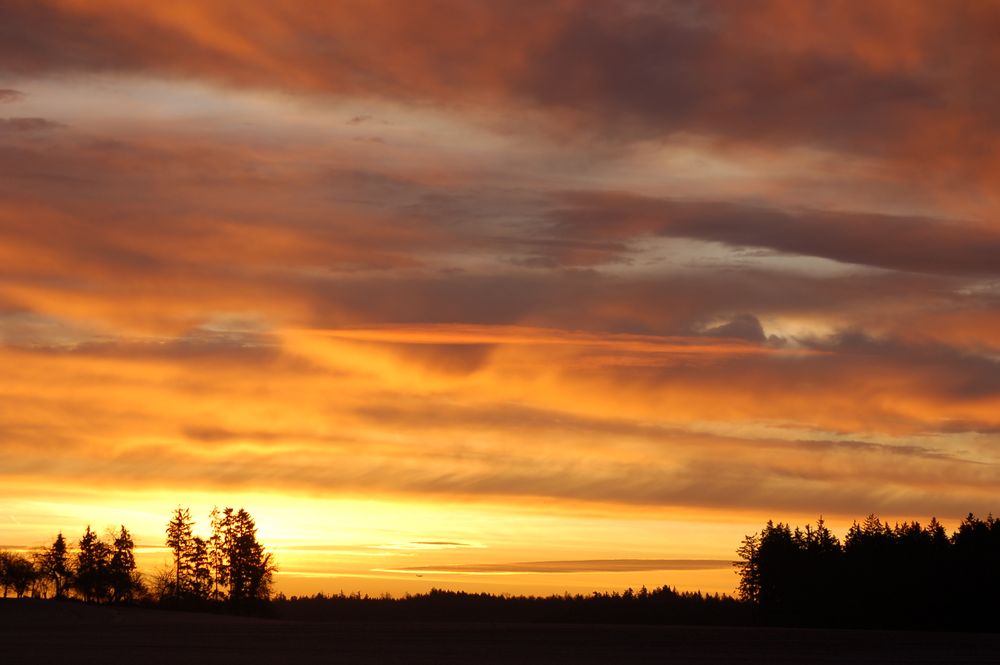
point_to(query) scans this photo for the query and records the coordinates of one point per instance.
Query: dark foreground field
(46, 632)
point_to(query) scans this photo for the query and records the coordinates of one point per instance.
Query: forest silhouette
(229, 569)
(881, 576)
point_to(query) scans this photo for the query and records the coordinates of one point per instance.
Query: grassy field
(47, 632)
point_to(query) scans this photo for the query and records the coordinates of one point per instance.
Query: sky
(523, 297)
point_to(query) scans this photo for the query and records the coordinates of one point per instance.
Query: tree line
(663, 605)
(98, 570)
(906, 575)
(229, 565)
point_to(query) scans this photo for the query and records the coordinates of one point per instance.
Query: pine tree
(247, 567)
(93, 568)
(181, 541)
(201, 572)
(54, 564)
(124, 578)
(749, 568)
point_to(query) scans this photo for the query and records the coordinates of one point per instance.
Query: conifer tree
(749, 568)
(124, 578)
(201, 572)
(180, 540)
(93, 568)
(54, 564)
(247, 567)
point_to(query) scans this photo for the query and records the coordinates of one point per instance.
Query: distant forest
(880, 576)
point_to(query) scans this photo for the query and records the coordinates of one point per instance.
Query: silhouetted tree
(22, 574)
(54, 565)
(870, 551)
(5, 559)
(125, 580)
(820, 573)
(749, 569)
(976, 569)
(93, 568)
(201, 572)
(247, 567)
(658, 606)
(17, 573)
(161, 584)
(779, 563)
(180, 539)
(901, 576)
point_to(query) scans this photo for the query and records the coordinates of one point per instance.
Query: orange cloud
(630, 261)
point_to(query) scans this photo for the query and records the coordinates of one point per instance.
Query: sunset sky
(436, 287)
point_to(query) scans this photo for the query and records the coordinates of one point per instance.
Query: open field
(45, 632)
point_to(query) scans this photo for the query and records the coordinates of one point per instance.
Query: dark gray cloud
(119, 228)
(679, 303)
(27, 125)
(743, 326)
(641, 69)
(895, 242)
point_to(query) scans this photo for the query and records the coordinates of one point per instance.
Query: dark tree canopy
(125, 580)
(229, 565)
(93, 568)
(902, 575)
(17, 573)
(55, 567)
(180, 539)
(247, 567)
